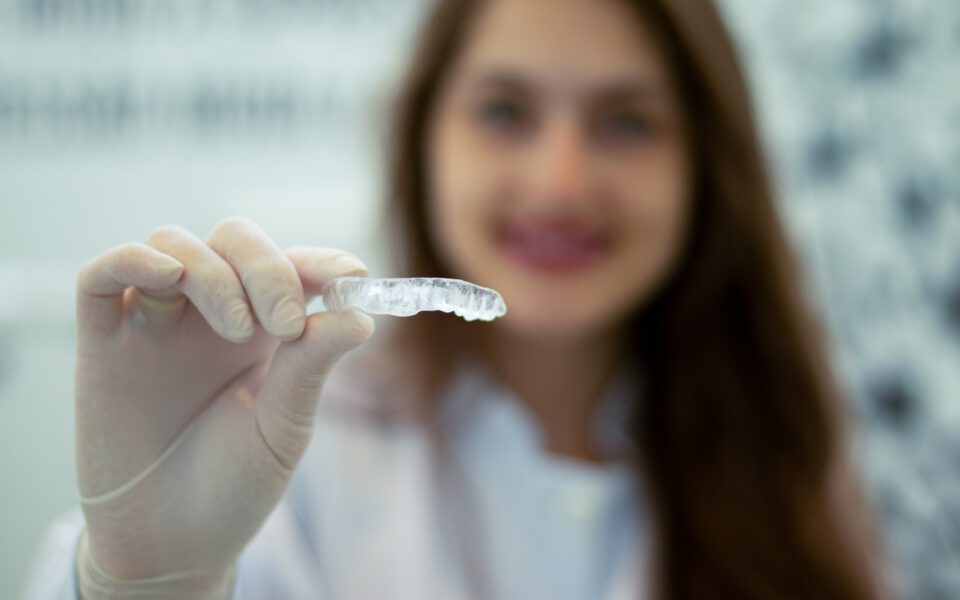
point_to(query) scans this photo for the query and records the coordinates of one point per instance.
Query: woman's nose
(559, 170)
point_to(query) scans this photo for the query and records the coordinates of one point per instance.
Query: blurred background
(117, 116)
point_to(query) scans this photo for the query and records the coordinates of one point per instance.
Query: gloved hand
(197, 380)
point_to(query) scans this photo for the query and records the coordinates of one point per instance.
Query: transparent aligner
(404, 297)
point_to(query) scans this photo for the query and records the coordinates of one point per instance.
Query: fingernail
(289, 319)
(355, 328)
(241, 324)
(165, 265)
(348, 264)
(366, 325)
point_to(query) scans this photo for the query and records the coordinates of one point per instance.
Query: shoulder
(365, 455)
(364, 427)
(52, 570)
(371, 385)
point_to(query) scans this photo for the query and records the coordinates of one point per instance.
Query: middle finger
(268, 276)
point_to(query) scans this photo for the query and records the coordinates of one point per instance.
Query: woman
(653, 418)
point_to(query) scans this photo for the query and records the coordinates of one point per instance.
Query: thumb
(287, 402)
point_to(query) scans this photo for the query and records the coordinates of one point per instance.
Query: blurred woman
(654, 417)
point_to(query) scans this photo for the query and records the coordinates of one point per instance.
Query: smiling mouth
(554, 246)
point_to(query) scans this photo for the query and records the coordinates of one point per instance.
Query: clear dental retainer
(404, 297)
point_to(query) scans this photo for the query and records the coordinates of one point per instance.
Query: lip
(554, 247)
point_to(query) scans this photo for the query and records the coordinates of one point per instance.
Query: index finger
(102, 281)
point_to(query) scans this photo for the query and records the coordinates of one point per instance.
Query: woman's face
(559, 171)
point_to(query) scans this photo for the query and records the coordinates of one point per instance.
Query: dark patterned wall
(860, 101)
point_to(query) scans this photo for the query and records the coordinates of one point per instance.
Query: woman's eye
(627, 125)
(502, 114)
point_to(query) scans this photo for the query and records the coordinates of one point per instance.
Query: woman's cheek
(460, 220)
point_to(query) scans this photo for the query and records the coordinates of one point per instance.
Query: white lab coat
(366, 517)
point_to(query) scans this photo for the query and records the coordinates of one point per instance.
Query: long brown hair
(738, 424)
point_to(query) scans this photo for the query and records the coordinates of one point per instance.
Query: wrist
(95, 583)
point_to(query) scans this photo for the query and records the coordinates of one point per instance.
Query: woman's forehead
(590, 43)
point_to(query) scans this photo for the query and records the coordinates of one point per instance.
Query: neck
(560, 382)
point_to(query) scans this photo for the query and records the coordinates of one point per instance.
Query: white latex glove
(191, 412)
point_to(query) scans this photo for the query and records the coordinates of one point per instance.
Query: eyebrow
(611, 91)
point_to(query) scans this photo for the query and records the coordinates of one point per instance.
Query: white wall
(114, 121)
